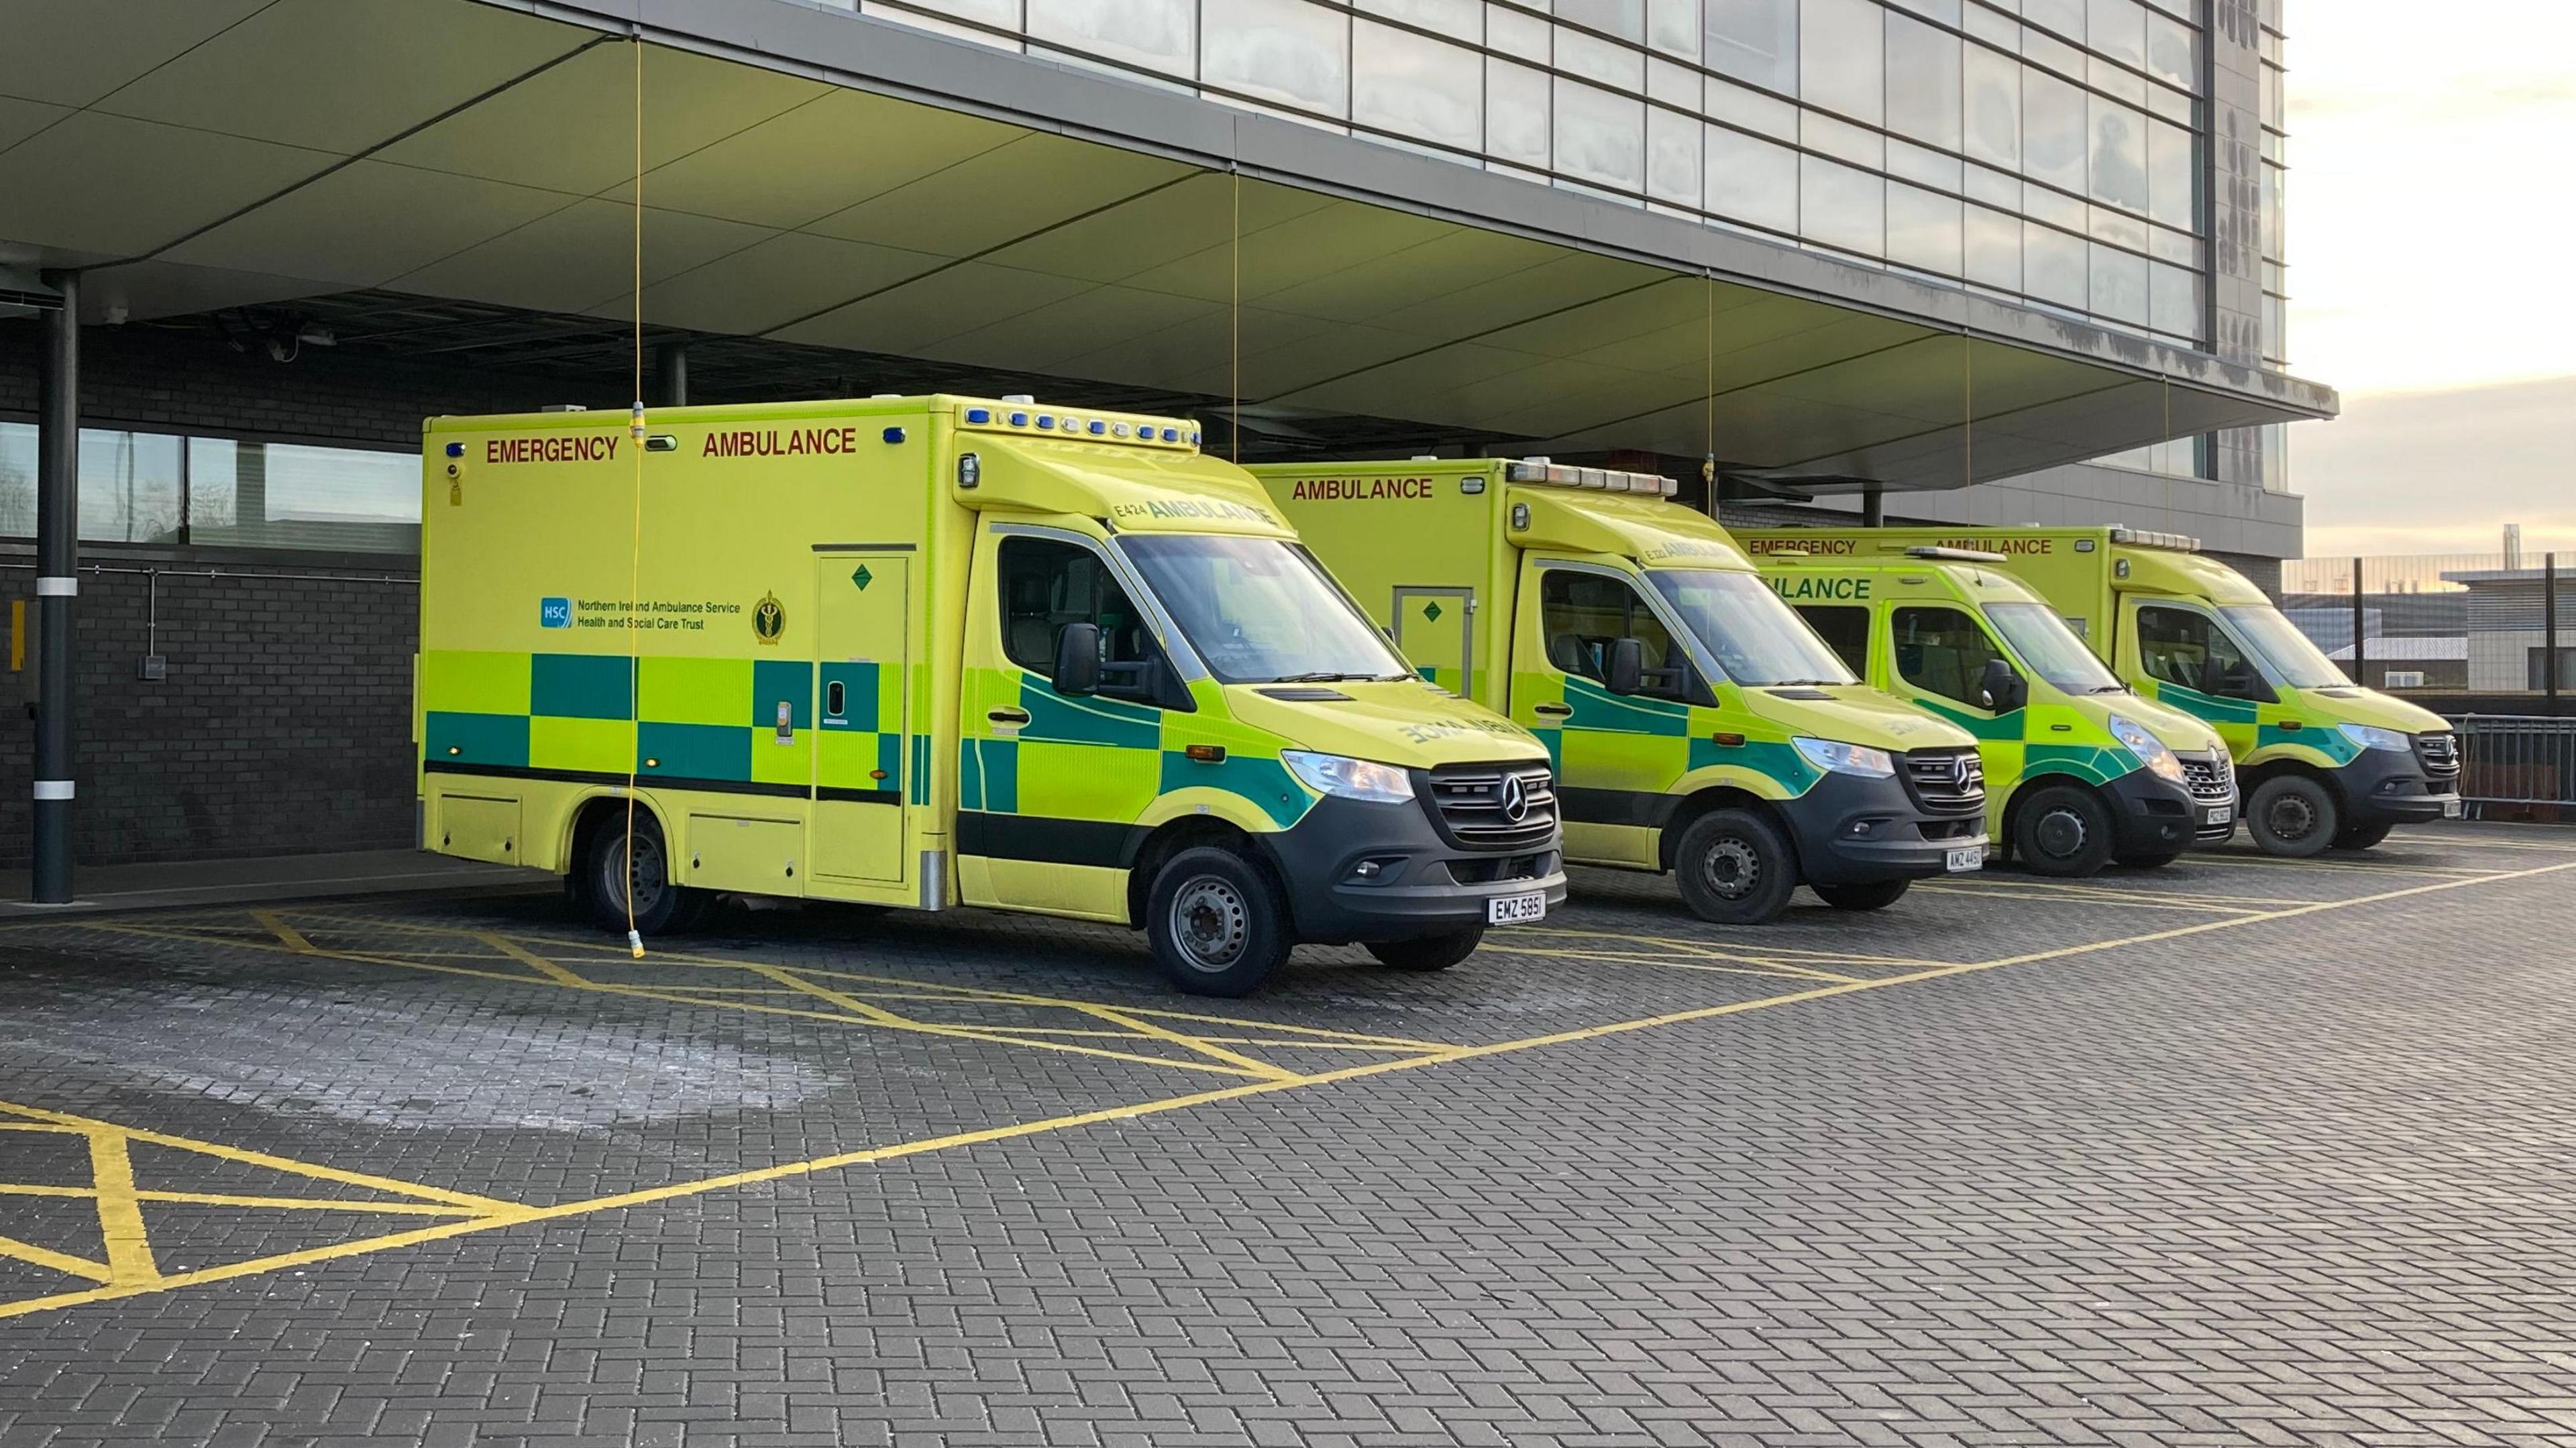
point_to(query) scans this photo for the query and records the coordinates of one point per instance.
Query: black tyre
(1735, 868)
(2292, 815)
(2360, 837)
(608, 873)
(2062, 831)
(1427, 952)
(1216, 922)
(2155, 861)
(1876, 895)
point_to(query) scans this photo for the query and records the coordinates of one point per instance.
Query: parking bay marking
(509, 1215)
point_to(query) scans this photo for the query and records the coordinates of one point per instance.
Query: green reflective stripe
(1264, 783)
(1055, 719)
(476, 738)
(1998, 727)
(1774, 759)
(781, 681)
(693, 751)
(1597, 709)
(2325, 739)
(581, 686)
(2207, 706)
(920, 784)
(2094, 764)
(988, 776)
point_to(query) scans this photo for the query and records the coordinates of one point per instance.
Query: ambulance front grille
(2211, 779)
(1947, 780)
(1495, 806)
(2440, 754)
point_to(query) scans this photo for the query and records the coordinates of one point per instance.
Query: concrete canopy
(820, 179)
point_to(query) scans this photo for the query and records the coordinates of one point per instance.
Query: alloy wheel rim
(1210, 923)
(1732, 869)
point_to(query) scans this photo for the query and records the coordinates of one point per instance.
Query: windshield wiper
(2108, 689)
(1319, 676)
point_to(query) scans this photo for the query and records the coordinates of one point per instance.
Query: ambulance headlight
(2151, 751)
(2371, 736)
(1349, 778)
(1835, 757)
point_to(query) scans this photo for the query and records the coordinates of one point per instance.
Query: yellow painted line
(38, 1189)
(1723, 948)
(291, 1167)
(514, 1216)
(520, 953)
(292, 938)
(120, 1216)
(62, 1262)
(230, 1199)
(2107, 902)
(1666, 962)
(1138, 1022)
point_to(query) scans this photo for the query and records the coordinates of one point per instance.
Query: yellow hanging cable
(1708, 464)
(635, 553)
(1234, 319)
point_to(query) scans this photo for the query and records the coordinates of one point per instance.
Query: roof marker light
(1171, 434)
(979, 414)
(1098, 427)
(456, 449)
(1019, 419)
(1120, 430)
(894, 434)
(1019, 397)
(1045, 421)
(1194, 437)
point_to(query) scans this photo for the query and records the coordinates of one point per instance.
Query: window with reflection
(1460, 19)
(1992, 107)
(1922, 229)
(2053, 266)
(2052, 130)
(1942, 651)
(2119, 166)
(1753, 40)
(2118, 29)
(1413, 85)
(1842, 48)
(1672, 26)
(1623, 18)
(2119, 284)
(1922, 81)
(1672, 157)
(2066, 17)
(1155, 34)
(1600, 137)
(1516, 111)
(2173, 52)
(1287, 52)
(2172, 175)
(1752, 180)
(1993, 242)
(1841, 207)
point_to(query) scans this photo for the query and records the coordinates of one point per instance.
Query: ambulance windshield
(2295, 659)
(1260, 611)
(2051, 650)
(1758, 640)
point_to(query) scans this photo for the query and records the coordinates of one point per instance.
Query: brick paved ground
(2252, 1153)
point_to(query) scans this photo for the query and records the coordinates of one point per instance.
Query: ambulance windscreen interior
(1260, 611)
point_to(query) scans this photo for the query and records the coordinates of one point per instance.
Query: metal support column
(2359, 616)
(2549, 627)
(671, 374)
(57, 556)
(1873, 507)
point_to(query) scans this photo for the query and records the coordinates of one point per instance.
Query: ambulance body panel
(2322, 762)
(824, 644)
(1926, 630)
(1513, 583)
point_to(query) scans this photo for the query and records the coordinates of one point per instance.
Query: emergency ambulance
(2322, 762)
(1698, 727)
(2080, 771)
(936, 651)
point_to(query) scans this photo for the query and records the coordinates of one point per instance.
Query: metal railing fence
(2518, 766)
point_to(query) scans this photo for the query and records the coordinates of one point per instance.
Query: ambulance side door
(862, 729)
(2179, 654)
(1617, 756)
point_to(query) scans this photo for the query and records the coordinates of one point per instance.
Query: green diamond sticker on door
(1431, 611)
(862, 577)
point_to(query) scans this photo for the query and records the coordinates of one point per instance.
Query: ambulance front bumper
(1852, 830)
(2157, 816)
(2389, 786)
(1358, 871)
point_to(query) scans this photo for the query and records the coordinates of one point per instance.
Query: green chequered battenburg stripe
(1266, 783)
(2327, 740)
(470, 682)
(1773, 758)
(1055, 719)
(2091, 763)
(2207, 706)
(458, 738)
(693, 751)
(698, 691)
(581, 686)
(1984, 726)
(781, 681)
(988, 776)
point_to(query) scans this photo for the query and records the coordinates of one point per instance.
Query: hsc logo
(554, 613)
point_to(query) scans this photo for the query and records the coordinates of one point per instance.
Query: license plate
(2222, 815)
(1516, 909)
(2451, 808)
(1972, 857)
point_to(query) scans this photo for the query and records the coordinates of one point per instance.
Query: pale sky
(2432, 223)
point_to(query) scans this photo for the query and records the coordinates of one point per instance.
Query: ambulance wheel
(1427, 952)
(2063, 831)
(1216, 923)
(2360, 837)
(1876, 895)
(2155, 861)
(1734, 868)
(2292, 815)
(607, 875)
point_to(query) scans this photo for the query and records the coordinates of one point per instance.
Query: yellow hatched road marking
(507, 1215)
(62, 1262)
(120, 1216)
(234, 1199)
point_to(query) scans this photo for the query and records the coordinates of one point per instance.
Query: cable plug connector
(635, 942)
(635, 421)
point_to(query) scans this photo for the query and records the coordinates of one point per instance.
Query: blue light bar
(1045, 421)
(979, 414)
(1171, 434)
(1019, 419)
(456, 449)
(1098, 427)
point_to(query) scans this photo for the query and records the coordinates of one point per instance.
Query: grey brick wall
(284, 724)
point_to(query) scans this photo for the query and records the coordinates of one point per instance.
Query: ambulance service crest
(768, 618)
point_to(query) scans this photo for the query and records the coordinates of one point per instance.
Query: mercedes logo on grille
(1515, 799)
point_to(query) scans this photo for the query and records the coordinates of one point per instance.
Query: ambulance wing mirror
(1077, 659)
(1624, 669)
(2004, 690)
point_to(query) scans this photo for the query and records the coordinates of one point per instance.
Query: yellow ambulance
(2081, 771)
(932, 651)
(1698, 727)
(2323, 763)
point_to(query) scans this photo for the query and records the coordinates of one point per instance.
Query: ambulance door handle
(1008, 716)
(1553, 711)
